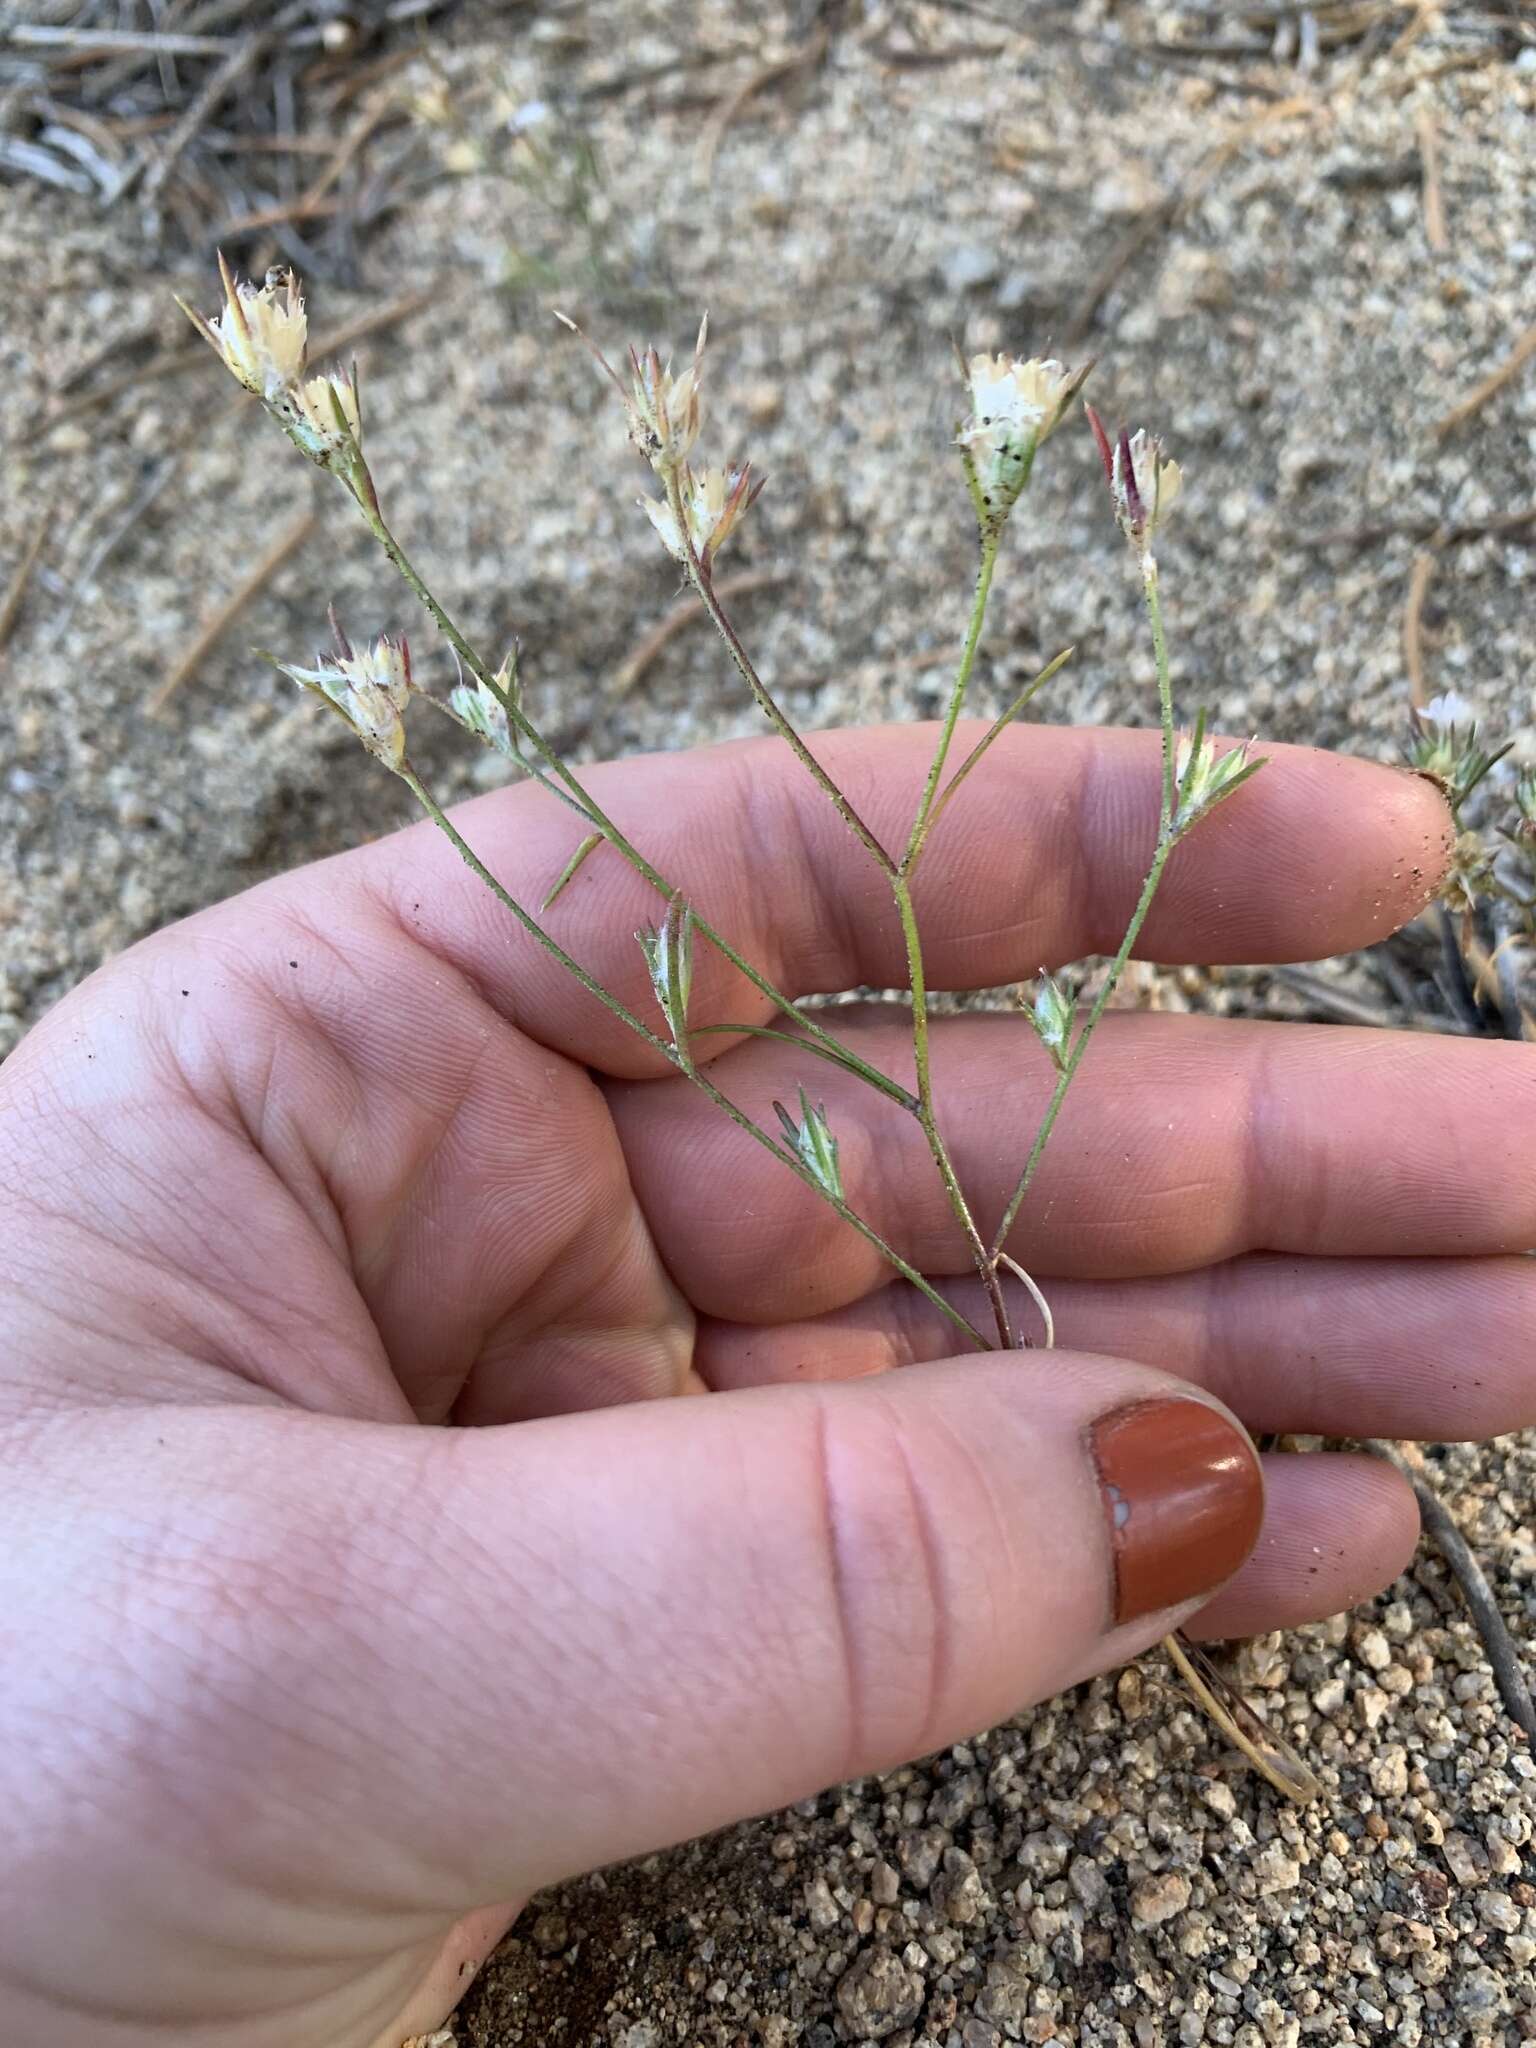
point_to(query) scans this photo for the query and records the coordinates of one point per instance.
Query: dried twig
(804, 59)
(227, 75)
(218, 623)
(1424, 564)
(1491, 385)
(111, 541)
(150, 43)
(1434, 196)
(16, 589)
(683, 613)
(1445, 534)
(1162, 214)
(1440, 1527)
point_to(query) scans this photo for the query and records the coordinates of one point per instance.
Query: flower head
(1014, 407)
(1142, 485)
(663, 408)
(370, 689)
(713, 501)
(262, 331)
(322, 415)
(1443, 744)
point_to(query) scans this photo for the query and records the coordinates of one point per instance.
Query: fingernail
(1184, 1497)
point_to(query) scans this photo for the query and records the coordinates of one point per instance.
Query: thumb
(629, 1627)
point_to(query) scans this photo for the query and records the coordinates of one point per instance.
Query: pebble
(877, 1994)
(1158, 1899)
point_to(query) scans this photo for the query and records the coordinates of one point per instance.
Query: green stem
(367, 500)
(610, 1002)
(1080, 1044)
(699, 577)
(985, 1265)
(998, 726)
(925, 810)
(1164, 682)
(1165, 845)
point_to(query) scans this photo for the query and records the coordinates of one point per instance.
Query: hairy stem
(699, 577)
(1164, 681)
(925, 810)
(368, 504)
(1165, 845)
(1080, 1043)
(669, 1052)
(986, 1266)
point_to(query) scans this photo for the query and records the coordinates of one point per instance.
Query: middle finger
(1185, 1141)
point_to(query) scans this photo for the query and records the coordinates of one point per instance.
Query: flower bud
(668, 951)
(713, 500)
(1142, 485)
(370, 690)
(1051, 1015)
(1202, 778)
(813, 1144)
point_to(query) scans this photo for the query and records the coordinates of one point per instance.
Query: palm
(349, 1154)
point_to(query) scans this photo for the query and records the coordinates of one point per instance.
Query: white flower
(1014, 407)
(714, 500)
(261, 332)
(370, 690)
(1142, 485)
(1448, 709)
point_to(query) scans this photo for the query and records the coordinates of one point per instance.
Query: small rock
(968, 267)
(1089, 1883)
(919, 1856)
(820, 1905)
(1219, 1797)
(764, 402)
(1479, 1991)
(884, 1884)
(956, 1800)
(1498, 1909)
(877, 1994)
(1372, 1705)
(1389, 1772)
(1373, 1649)
(551, 1934)
(1466, 1860)
(958, 1892)
(978, 2034)
(1329, 1696)
(1045, 1855)
(1159, 1898)
(1275, 1870)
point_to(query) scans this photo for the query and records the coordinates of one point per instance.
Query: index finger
(1039, 860)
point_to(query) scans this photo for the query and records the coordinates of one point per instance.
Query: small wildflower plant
(1014, 407)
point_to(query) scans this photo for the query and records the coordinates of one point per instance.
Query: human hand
(305, 1694)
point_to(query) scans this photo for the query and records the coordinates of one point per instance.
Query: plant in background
(1014, 409)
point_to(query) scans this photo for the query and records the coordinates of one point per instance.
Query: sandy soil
(1244, 244)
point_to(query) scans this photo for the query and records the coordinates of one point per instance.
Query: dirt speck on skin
(1242, 238)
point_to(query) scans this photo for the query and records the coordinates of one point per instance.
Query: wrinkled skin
(304, 1692)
